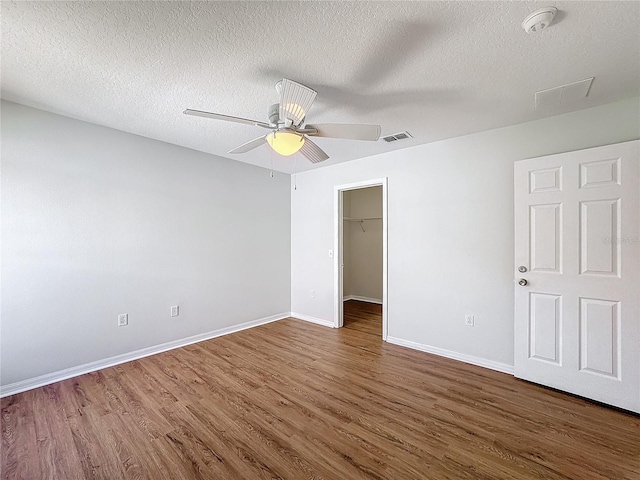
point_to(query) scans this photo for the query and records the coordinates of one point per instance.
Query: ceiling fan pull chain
(271, 157)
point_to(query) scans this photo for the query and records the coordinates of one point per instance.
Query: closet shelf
(361, 220)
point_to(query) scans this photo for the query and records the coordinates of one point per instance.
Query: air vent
(397, 136)
(563, 94)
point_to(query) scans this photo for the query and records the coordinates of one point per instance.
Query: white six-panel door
(577, 234)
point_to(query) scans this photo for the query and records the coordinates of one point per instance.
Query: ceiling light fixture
(539, 20)
(285, 142)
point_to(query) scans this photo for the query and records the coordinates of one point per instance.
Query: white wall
(450, 241)
(97, 222)
(362, 250)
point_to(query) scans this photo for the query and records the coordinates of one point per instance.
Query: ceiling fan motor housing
(274, 115)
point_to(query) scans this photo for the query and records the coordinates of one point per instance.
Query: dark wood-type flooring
(295, 400)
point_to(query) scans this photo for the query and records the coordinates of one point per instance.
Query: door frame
(338, 294)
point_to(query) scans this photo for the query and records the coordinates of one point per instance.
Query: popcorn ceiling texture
(436, 69)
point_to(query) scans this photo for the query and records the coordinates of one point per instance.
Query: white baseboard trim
(462, 357)
(363, 299)
(309, 318)
(42, 380)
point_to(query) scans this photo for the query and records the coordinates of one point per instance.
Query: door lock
(523, 282)
(522, 269)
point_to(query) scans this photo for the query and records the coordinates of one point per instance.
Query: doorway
(360, 267)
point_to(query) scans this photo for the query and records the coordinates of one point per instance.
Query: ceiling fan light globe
(285, 143)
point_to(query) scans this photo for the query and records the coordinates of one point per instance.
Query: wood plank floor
(363, 317)
(294, 400)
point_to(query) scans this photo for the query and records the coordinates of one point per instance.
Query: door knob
(523, 282)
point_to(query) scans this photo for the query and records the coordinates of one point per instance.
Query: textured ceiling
(436, 69)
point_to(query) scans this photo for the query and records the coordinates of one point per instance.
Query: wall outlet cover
(123, 319)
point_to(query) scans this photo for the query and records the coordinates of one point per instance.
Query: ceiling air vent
(397, 136)
(563, 94)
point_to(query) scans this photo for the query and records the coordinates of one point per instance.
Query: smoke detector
(539, 20)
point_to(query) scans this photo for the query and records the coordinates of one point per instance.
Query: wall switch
(312, 293)
(175, 311)
(469, 320)
(123, 319)
(330, 253)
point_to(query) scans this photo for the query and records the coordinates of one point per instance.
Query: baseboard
(309, 318)
(481, 362)
(42, 380)
(363, 299)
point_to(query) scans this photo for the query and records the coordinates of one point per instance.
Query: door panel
(545, 243)
(545, 180)
(601, 173)
(545, 327)
(577, 233)
(599, 336)
(599, 229)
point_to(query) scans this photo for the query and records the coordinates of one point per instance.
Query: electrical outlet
(469, 320)
(312, 293)
(123, 319)
(175, 311)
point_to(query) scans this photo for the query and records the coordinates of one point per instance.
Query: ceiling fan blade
(226, 118)
(250, 145)
(347, 131)
(313, 152)
(295, 100)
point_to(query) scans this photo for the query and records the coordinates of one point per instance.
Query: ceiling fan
(287, 135)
